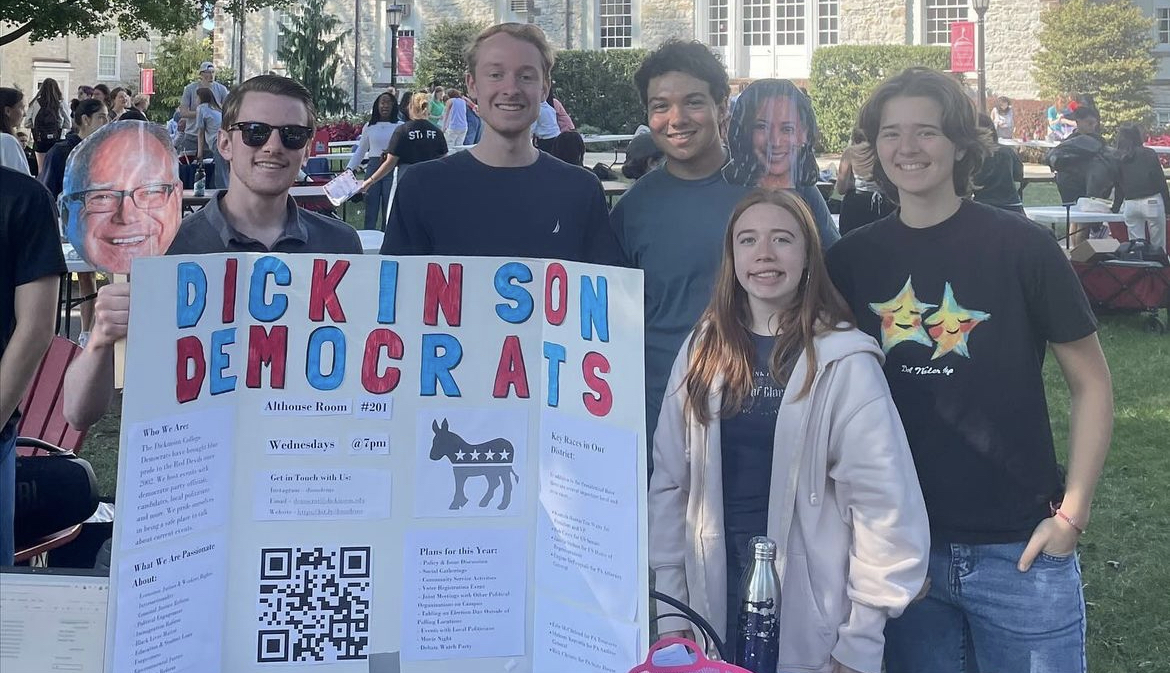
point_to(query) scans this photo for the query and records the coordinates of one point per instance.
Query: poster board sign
(374, 463)
(146, 81)
(962, 46)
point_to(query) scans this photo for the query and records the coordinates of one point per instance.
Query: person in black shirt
(1141, 188)
(995, 184)
(414, 142)
(31, 265)
(965, 299)
(533, 205)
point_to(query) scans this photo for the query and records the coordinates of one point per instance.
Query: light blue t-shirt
(673, 230)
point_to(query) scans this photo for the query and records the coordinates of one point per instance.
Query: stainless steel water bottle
(757, 638)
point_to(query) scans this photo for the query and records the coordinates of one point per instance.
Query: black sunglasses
(255, 134)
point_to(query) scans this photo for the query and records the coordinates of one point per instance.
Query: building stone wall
(71, 60)
(1010, 30)
(873, 22)
(665, 19)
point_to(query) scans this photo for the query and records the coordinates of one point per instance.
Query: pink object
(701, 664)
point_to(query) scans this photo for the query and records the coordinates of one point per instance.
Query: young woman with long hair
(208, 120)
(376, 135)
(11, 113)
(777, 420)
(1141, 193)
(50, 127)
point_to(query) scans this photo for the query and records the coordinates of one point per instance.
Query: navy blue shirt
(746, 444)
(548, 210)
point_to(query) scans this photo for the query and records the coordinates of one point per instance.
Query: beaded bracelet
(1070, 521)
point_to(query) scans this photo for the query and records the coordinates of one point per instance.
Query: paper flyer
(339, 461)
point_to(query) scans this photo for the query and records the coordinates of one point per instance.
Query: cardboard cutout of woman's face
(122, 197)
(770, 137)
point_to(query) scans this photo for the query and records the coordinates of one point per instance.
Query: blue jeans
(983, 615)
(378, 197)
(7, 493)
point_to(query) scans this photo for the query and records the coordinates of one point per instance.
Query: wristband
(1070, 521)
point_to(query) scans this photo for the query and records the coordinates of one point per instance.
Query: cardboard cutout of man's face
(122, 198)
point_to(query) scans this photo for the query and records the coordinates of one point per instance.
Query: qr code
(314, 604)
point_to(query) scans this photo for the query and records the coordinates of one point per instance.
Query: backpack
(46, 126)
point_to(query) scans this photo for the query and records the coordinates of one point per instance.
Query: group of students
(874, 404)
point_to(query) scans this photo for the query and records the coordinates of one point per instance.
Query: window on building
(617, 24)
(828, 13)
(717, 23)
(108, 48)
(939, 15)
(757, 23)
(282, 20)
(789, 22)
(1162, 23)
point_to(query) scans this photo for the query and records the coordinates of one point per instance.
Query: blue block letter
(436, 367)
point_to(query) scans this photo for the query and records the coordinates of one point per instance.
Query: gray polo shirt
(191, 101)
(207, 231)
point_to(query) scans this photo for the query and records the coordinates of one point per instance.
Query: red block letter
(601, 401)
(443, 292)
(323, 291)
(372, 381)
(556, 272)
(510, 371)
(188, 349)
(229, 291)
(267, 348)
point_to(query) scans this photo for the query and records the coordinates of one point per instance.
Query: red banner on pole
(146, 81)
(962, 46)
(406, 55)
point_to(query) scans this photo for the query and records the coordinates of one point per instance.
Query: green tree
(175, 66)
(440, 53)
(311, 50)
(1100, 48)
(133, 19)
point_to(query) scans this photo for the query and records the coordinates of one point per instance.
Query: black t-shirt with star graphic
(964, 311)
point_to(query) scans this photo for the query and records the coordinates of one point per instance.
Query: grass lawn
(1127, 579)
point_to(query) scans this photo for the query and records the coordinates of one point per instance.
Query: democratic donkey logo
(491, 460)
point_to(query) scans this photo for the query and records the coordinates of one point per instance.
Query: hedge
(597, 88)
(842, 77)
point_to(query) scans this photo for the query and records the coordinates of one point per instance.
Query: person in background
(642, 156)
(208, 120)
(1084, 166)
(102, 93)
(31, 265)
(474, 123)
(29, 154)
(1003, 117)
(137, 110)
(437, 105)
(11, 114)
(119, 102)
(414, 142)
(778, 421)
(862, 200)
(1059, 123)
(404, 105)
(50, 127)
(189, 140)
(375, 138)
(1141, 193)
(966, 300)
(997, 182)
(568, 146)
(546, 130)
(84, 92)
(90, 115)
(455, 118)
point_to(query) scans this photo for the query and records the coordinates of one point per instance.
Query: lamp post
(140, 58)
(980, 7)
(394, 13)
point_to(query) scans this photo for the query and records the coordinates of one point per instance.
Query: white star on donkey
(491, 455)
(475, 455)
(504, 454)
(459, 455)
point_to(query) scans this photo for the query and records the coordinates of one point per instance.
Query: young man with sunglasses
(267, 124)
(539, 206)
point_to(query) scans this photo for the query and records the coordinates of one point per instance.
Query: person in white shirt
(546, 128)
(208, 118)
(11, 114)
(372, 146)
